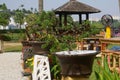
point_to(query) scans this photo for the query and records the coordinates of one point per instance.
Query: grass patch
(12, 47)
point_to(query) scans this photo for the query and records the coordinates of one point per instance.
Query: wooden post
(87, 16)
(80, 18)
(1, 46)
(82, 44)
(119, 61)
(103, 56)
(114, 62)
(65, 19)
(60, 19)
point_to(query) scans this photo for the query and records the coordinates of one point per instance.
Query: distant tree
(22, 5)
(3, 7)
(31, 9)
(19, 17)
(35, 10)
(116, 23)
(4, 15)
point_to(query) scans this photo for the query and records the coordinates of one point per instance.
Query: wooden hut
(75, 7)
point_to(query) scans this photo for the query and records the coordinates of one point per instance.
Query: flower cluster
(30, 62)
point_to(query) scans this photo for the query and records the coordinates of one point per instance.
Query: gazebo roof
(74, 7)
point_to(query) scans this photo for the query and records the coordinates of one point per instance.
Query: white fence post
(41, 70)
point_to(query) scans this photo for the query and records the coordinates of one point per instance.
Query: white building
(12, 25)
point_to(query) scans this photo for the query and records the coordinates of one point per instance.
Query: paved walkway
(10, 66)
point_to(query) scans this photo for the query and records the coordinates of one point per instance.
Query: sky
(106, 6)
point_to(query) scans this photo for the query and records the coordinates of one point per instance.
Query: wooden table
(92, 42)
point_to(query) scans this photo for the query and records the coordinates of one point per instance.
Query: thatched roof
(73, 6)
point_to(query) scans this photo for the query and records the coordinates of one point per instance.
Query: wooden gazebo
(75, 7)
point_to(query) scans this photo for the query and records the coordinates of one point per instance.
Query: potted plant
(43, 31)
(38, 30)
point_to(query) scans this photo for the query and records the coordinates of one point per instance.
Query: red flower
(98, 62)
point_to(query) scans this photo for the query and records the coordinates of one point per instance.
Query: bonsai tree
(44, 27)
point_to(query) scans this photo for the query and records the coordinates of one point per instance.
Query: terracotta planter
(76, 63)
(28, 70)
(26, 43)
(36, 47)
(31, 48)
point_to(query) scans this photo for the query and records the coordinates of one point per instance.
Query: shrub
(105, 73)
(5, 37)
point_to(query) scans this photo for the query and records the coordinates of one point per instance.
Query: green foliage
(116, 24)
(30, 62)
(3, 7)
(15, 48)
(45, 27)
(96, 27)
(12, 31)
(56, 71)
(55, 67)
(106, 74)
(12, 36)
(19, 16)
(4, 15)
(5, 37)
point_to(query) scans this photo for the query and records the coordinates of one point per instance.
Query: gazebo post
(65, 19)
(60, 19)
(80, 18)
(87, 16)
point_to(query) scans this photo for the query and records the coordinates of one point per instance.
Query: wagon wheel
(107, 20)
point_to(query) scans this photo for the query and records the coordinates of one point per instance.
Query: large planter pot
(25, 43)
(36, 47)
(76, 63)
(31, 48)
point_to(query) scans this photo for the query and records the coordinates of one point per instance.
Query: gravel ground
(10, 66)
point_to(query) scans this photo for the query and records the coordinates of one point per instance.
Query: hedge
(12, 31)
